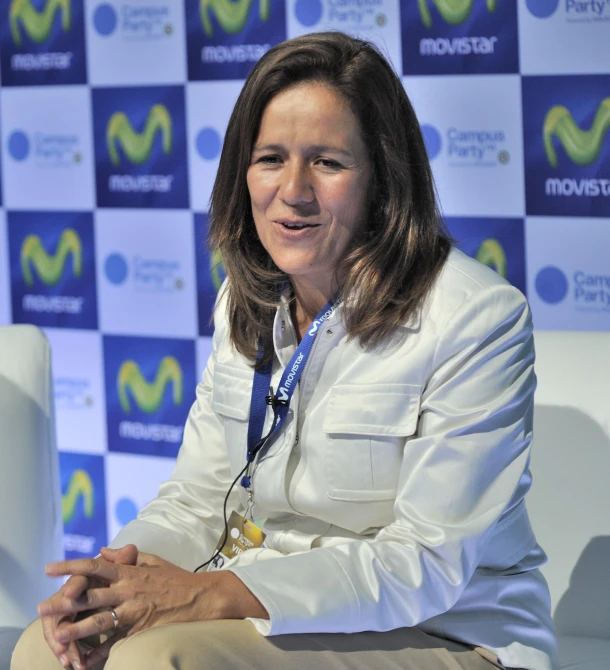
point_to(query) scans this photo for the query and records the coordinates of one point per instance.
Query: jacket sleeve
(184, 522)
(459, 473)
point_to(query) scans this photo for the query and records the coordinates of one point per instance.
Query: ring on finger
(115, 619)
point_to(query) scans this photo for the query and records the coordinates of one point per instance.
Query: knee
(32, 652)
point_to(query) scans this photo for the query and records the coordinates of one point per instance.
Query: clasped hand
(144, 590)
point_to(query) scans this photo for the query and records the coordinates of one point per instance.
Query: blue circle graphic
(551, 284)
(542, 9)
(116, 268)
(208, 143)
(125, 511)
(432, 140)
(308, 12)
(18, 145)
(105, 19)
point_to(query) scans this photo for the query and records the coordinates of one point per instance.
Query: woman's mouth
(298, 226)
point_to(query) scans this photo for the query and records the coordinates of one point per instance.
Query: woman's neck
(309, 300)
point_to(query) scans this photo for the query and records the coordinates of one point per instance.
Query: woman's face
(309, 179)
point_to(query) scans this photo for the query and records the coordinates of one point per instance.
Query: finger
(62, 601)
(102, 651)
(49, 627)
(127, 555)
(75, 586)
(97, 623)
(75, 657)
(90, 567)
(150, 561)
(92, 599)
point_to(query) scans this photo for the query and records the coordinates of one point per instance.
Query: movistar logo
(230, 14)
(137, 146)
(50, 267)
(491, 253)
(453, 11)
(37, 24)
(316, 323)
(147, 396)
(217, 269)
(80, 486)
(582, 146)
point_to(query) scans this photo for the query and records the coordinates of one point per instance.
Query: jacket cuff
(321, 597)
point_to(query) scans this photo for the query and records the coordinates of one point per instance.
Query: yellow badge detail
(37, 24)
(230, 14)
(582, 146)
(453, 12)
(80, 486)
(148, 396)
(491, 253)
(138, 146)
(50, 267)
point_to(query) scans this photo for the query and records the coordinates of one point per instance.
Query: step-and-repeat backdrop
(112, 116)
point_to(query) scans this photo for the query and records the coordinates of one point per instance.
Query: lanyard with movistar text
(288, 382)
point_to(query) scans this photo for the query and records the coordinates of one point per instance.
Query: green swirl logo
(147, 396)
(137, 146)
(582, 146)
(453, 11)
(37, 24)
(217, 269)
(491, 253)
(80, 486)
(230, 14)
(50, 267)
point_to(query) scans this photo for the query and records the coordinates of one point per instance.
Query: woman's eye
(327, 162)
(269, 159)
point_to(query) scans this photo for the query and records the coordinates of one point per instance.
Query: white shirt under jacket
(401, 501)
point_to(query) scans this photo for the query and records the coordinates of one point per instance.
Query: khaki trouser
(236, 645)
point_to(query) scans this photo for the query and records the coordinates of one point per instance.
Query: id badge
(241, 536)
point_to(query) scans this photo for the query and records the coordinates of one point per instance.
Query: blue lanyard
(288, 382)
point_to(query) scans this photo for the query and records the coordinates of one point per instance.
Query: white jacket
(401, 502)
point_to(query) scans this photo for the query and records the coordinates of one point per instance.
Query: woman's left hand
(151, 593)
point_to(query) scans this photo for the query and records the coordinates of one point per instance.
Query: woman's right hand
(75, 590)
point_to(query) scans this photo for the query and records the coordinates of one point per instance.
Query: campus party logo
(47, 42)
(459, 36)
(567, 145)
(575, 11)
(133, 22)
(139, 145)
(467, 147)
(147, 380)
(53, 269)
(46, 149)
(147, 275)
(587, 291)
(83, 505)
(348, 14)
(208, 143)
(226, 37)
(72, 393)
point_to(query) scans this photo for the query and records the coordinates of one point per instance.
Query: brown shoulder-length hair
(392, 266)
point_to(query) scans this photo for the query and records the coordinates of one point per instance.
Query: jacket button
(329, 332)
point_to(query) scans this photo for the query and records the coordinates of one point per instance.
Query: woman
(393, 477)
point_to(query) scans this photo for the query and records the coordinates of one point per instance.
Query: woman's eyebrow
(314, 148)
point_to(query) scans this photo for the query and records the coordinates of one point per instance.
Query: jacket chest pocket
(366, 427)
(231, 400)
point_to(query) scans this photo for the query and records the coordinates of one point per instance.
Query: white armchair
(570, 498)
(30, 511)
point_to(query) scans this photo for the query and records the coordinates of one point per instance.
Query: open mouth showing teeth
(298, 226)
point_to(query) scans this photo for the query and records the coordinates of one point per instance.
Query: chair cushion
(583, 653)
(8, 640)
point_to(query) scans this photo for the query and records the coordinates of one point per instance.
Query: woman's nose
(295, 185)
